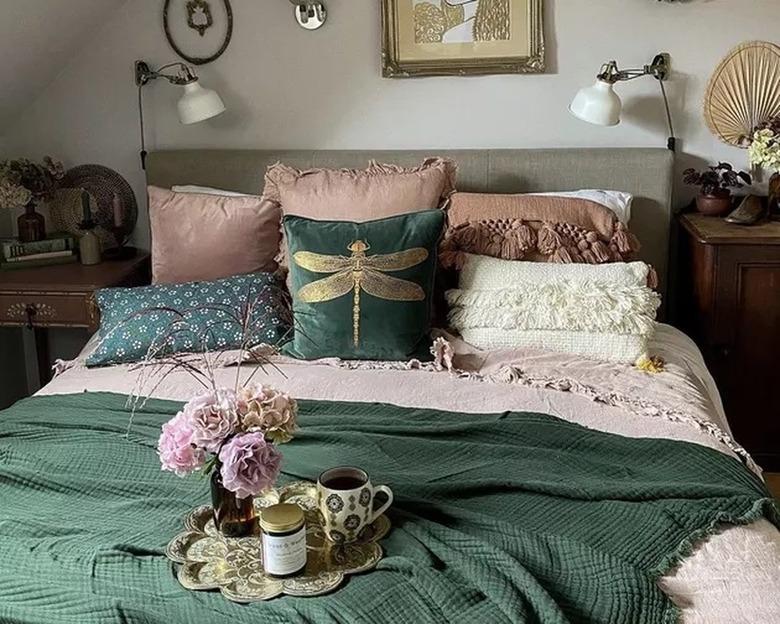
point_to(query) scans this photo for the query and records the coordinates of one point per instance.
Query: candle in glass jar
(117, 203)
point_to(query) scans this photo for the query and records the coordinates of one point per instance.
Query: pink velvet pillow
(379, 191)
(205, 237)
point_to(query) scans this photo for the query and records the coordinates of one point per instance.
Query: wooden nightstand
(62, 296)
(729, 303)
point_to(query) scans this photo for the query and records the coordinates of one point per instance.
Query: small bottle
(89, 243)
(284, 540)
(89, 247)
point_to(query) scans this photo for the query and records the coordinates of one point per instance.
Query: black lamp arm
(144, 75)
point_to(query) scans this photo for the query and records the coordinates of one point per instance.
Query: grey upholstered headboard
(645, 173)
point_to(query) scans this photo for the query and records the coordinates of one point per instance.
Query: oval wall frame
(200, 19)
(744, 91)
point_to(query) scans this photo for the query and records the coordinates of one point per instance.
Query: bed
(86, 513)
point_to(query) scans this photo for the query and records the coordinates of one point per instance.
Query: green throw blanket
(511, 517)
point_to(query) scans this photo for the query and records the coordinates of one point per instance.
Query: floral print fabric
(164, 319)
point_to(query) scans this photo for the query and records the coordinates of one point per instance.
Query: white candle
(117, 211)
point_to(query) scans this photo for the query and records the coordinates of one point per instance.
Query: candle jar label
(284, 554)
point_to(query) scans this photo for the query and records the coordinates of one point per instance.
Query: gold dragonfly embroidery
(357, 272)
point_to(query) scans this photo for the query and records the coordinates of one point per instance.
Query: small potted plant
(716, 183)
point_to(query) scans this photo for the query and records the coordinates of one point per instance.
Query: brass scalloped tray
(235, 565)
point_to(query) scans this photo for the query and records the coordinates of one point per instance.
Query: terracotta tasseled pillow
(542, 228)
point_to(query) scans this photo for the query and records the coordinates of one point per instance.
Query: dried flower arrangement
(23, 181)
(765, 146)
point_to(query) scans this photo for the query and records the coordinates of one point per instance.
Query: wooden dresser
(728, 301)
(62, 296)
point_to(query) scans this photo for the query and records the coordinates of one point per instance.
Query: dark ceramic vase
(32, 225)
(233, 517)
(713, 205)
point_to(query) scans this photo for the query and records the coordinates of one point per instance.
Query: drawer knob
(30, 312)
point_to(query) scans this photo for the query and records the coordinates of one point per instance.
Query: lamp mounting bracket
(310, 14)
(659, 69)
(145, 74)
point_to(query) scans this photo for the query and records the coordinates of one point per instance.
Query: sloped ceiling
(37, 38)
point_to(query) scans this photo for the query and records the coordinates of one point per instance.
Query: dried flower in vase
(23, 181)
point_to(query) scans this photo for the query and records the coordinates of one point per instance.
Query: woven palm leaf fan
(743, 92)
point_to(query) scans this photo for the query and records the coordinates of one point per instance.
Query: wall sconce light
(195, 105)
(600, 105)
(310, 14)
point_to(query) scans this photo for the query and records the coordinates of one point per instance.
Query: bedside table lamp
(195, 105)
(600, 105)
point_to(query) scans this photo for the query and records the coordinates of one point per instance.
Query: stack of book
(56, 249)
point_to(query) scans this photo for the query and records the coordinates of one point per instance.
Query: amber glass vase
(234, 517)
(774, 196)
(32, 225)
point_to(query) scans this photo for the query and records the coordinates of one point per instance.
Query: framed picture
(461, 37)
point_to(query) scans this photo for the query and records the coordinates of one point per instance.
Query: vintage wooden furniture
(62, 296)
(729, 302)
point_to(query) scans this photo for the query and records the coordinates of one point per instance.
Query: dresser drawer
(48, 310)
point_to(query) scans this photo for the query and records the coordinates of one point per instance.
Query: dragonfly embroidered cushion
(173, 318)
(363, 290)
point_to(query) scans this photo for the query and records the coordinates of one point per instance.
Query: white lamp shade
(198, 104)
(599, 104)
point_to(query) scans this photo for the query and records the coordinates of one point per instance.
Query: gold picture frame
(462, 37)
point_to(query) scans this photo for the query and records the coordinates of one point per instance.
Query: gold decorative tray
(235, 565)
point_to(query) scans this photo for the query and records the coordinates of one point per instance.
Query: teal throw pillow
(363, 290)
(174, 318)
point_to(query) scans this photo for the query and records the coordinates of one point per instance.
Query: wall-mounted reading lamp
(196, 103)
(600, 105)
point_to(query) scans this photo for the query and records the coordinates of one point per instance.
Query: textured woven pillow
(379, 191)
(138, 321)
(566, 228)
(603, 311)
(200, 236)
(363, 290)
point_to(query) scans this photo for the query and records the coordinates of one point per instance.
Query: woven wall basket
(743, 92)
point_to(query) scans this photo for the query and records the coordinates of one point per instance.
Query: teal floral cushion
(174, 318)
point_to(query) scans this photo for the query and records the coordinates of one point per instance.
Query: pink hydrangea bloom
(268, 410)
(177, 454)
(214, 417)
(250, 465)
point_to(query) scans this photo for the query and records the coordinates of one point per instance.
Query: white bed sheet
(731, 578)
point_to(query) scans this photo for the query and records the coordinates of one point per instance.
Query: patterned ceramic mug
(347, 502)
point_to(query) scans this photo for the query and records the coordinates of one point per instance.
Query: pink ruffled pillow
(379, 191)
(200, 237)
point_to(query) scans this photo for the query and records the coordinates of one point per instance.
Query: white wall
(286, 87)
(36, 36)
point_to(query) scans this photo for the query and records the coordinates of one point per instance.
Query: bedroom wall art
(199, 31)
(744, 92)
(462, 37)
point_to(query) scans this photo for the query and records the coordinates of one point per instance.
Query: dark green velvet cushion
(363, 290)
